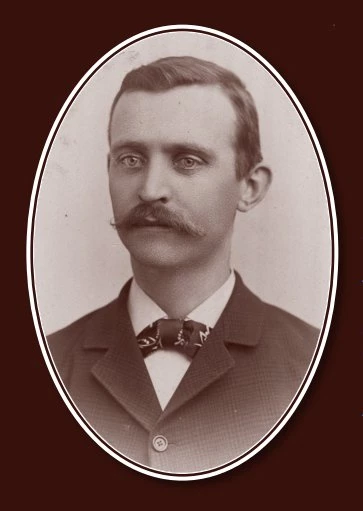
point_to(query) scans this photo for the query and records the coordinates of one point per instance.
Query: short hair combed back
(167, 73)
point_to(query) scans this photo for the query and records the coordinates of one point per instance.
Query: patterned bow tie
(185, 335)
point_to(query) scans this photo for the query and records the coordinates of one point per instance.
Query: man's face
(174, 150)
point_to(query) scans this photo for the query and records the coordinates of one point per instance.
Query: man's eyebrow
(190, 147)
(169, 148)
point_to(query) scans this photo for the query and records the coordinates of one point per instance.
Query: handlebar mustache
(163, 216)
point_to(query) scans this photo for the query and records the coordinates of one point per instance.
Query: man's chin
(157, 259)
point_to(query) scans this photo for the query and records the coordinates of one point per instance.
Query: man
(187, 369)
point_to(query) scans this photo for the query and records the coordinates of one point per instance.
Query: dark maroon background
(315, 459)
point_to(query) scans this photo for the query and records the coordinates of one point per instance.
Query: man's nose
(155, 182)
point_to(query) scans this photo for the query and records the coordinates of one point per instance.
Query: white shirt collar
(144, 311)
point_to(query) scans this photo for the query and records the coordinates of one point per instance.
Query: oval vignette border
(333, 271)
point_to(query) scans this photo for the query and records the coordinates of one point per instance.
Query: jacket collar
(103, 330)
(241, 321)
(243, 317)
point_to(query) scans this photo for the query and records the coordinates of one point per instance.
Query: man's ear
(253, 187)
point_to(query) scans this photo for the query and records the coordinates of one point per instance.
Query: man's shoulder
(267, 320)
(288, 335)
(282, 319)
(62, 341)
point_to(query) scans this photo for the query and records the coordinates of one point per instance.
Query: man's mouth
(151, 223)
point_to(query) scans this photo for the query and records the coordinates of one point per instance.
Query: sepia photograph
(182, 252)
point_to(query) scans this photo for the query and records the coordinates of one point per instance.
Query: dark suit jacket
(236, 388)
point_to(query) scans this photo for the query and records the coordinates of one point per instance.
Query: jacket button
(160, 443)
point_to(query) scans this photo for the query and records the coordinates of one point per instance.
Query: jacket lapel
(210, 364)
(240, 323)
(121, 369)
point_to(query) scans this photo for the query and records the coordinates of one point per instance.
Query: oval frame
(333, 270)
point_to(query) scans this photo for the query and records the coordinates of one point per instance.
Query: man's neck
(179, 291)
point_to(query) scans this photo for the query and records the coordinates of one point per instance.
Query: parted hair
(167, 73)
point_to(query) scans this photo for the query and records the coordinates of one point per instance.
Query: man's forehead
(185, 109)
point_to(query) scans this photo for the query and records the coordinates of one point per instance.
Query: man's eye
(130, 161)
(188, 163)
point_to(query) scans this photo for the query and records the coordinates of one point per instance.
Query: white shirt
(167, 367)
